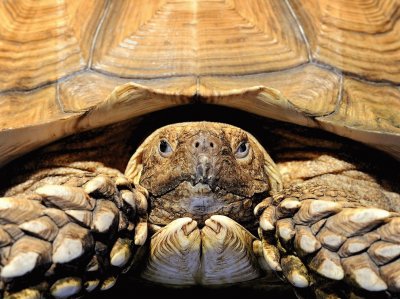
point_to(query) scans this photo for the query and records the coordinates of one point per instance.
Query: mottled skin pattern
(197, 170)
(189, 173)
(232, 186)
(204, 173)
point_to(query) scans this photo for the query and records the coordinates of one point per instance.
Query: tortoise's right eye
(164, 148)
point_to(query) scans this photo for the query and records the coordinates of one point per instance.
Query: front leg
(227, 252)
(325, 236)
(220, 253)
(174, 254)
(67, 231)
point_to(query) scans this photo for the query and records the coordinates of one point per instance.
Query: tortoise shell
(69, 66)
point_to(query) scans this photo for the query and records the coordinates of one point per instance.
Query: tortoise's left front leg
(227, 252)
(319, 234)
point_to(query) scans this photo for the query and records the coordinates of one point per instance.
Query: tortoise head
(199, 169)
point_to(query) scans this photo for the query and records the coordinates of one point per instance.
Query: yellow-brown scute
(199, 202)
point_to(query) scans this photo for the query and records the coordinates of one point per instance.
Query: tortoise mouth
(203, 205)
(200, 202)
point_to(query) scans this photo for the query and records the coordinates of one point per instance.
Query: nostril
(197, 144)
(211, 144)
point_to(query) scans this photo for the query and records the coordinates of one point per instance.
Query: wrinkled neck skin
(200, 202)
(202, 176)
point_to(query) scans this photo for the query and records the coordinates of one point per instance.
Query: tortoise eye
(164, 148)
(243, 150)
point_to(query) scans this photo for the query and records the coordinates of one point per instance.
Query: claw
(285, 229)
(105, 216)
(289, 206)
(66, 287)
(262, 206)
(295, 271)
(142, 190)
(304, 241)
(214, 225)
(24, 294)
(330, 239)
(313, 210)
(189, 227)
(141, 232)
(363, 273)
(81, 216)
(327, 264)
(122, 183)
(120, 253)
(66, 197)
(129, 198)
(19, 210)
(382, 252)
(42, 227)
(108, 283)
(91, 285)
(71, 242)
(268, 219)
(141, 202)
(350, 222)
(357, 244)
(93, 265)
(271, 256)
(100, 186)
(20, 265)
(26, 254)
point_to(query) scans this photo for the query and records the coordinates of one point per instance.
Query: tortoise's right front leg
(68, 231)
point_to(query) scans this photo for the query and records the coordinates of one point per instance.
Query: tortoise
(313, 63)
(202, 192)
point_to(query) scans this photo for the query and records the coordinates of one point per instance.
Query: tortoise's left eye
(164, 148)
(242, 150)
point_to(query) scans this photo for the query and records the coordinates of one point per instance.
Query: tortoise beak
(205, 147)
(204, 170)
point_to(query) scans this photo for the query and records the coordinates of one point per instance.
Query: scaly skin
(309, 230)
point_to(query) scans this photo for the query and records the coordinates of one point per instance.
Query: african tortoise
(203, 190)
(314, 63)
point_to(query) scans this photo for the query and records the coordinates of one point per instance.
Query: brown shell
(320, 63)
